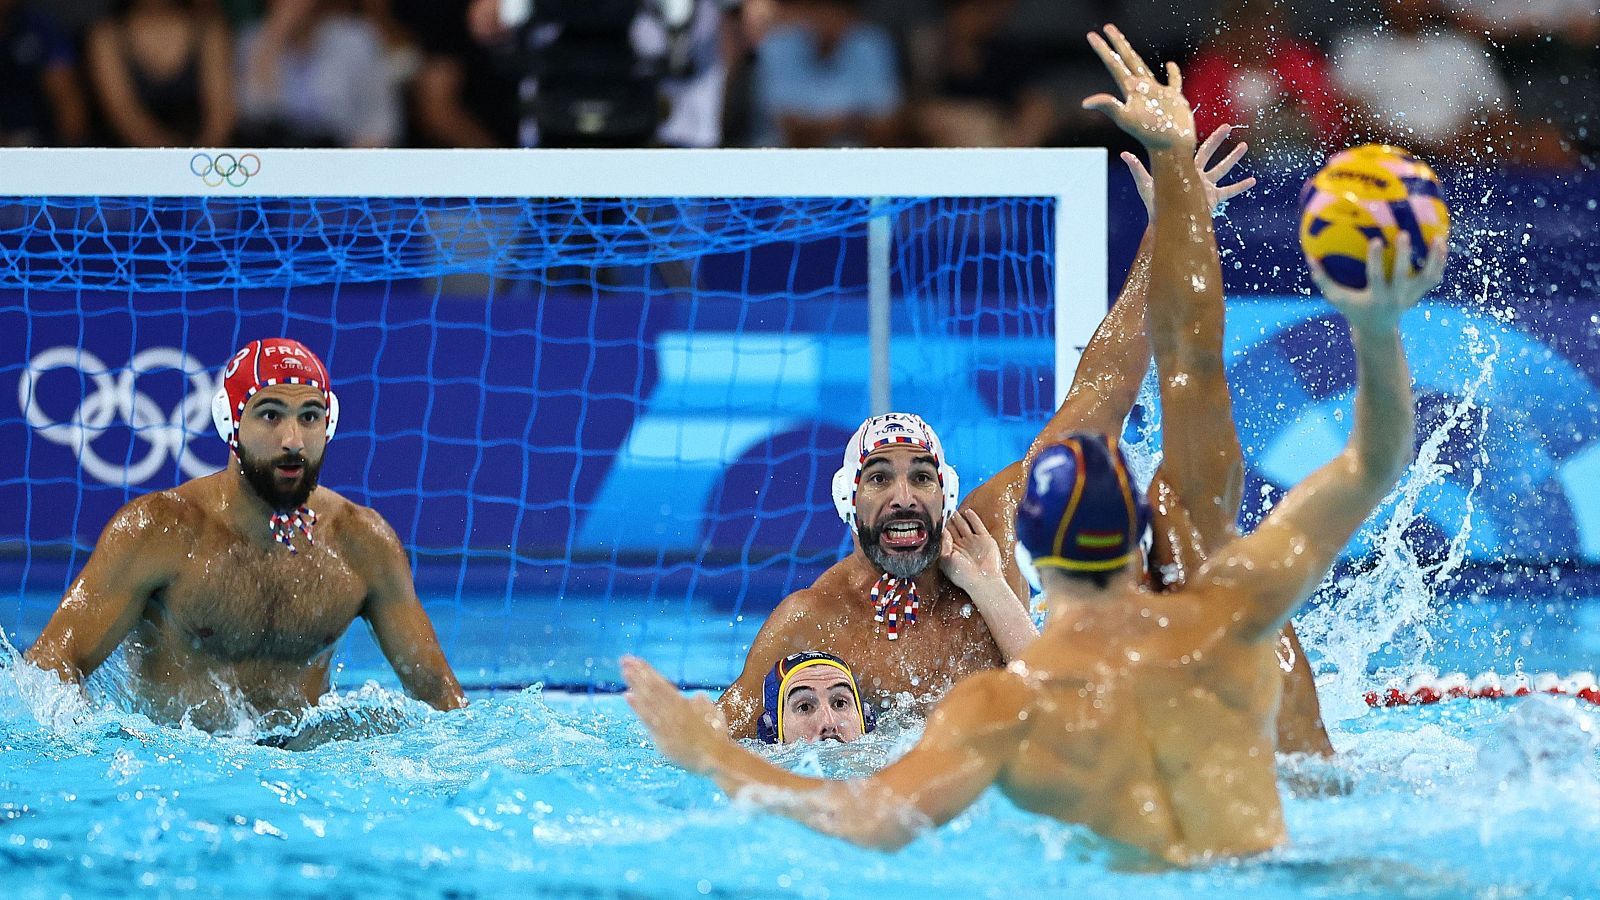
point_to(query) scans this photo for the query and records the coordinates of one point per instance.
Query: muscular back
(1173, 755)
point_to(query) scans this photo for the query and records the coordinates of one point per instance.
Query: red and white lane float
(1424, 689)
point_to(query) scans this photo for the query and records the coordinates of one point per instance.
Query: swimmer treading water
(231, 590)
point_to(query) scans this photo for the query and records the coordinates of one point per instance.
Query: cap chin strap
(844, 491)
(222, 415)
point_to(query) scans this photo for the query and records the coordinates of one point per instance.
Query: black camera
(594, 87)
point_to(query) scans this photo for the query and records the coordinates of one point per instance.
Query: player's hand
(968, 554)
(1385, 298)
(1216, 192)
(1155, 113)
(687, 730)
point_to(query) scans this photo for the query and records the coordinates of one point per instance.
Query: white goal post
(1074, 178)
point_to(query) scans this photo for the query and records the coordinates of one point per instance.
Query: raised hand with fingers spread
(1155, 113)
(1217, 193)
(1387, 296)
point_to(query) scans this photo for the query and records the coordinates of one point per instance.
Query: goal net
(599, 395)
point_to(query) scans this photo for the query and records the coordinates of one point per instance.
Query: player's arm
(398, 621)
(971, 559)
(791, 628)
(968, 740)
(132, 560)
(1269, 572)
(1202, 466)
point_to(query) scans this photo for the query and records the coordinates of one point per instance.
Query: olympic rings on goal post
(225, 168)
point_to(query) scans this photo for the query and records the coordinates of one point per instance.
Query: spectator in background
(1550, 53)
(460, 96)
(1465, 111)
(161, 73)
(1256, 75)
(41, 100)
(314, 73)
(826, 77)
(984, 90)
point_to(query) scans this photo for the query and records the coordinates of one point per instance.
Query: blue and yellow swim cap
(1082, 511)
(769, 728)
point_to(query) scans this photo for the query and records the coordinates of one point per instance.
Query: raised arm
(1271, 571)
(130, 562)
(1196, 492)
(398, 620)
(968, 739)
(1112, 367)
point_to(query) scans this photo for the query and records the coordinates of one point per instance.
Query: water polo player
(230, 590)
(812, 696)
(1147, 716)
(931, 592)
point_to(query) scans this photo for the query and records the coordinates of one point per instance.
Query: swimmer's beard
(902, 565)
(262, 478)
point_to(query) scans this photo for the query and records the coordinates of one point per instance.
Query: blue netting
(636, 401)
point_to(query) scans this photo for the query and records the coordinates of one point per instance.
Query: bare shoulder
(985, 706)
(995, 501)
(175, 512)
(361, 528)
(810, 607)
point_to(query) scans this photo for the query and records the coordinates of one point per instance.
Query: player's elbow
(1378, 469)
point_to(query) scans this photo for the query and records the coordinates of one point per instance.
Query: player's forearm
(1113, 363)
(738, 708)
(49, 656)
(1185, 276)
(1005, 614)
(433, 683)
(1385, 421)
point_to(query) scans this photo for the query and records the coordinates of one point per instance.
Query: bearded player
(230, 591)
(931, 591)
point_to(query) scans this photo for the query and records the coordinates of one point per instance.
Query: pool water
(560, 795)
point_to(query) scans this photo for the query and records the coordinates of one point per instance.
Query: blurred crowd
(1510, 82)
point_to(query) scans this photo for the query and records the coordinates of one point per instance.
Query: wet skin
(1149, 717)
(222, 622)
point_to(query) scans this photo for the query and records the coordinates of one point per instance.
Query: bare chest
(237, 603)
(928, 656)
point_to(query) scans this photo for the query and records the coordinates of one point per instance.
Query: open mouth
(289, 470)
(903, 534)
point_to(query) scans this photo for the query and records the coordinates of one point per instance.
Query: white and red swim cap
(261, 364)
(888, 430)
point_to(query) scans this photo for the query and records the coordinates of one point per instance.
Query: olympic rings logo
(116, 400)
(225, 168)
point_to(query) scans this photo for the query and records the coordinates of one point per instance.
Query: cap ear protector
(889, 430)
(261, 364)
(227, 426)
(769, 727)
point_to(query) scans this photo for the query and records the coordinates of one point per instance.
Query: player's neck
(244, 507)
(931, 582)
(1062, 593)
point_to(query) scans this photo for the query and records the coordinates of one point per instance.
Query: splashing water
(1388, 604)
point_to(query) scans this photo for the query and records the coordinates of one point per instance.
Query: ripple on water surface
(563, 796)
